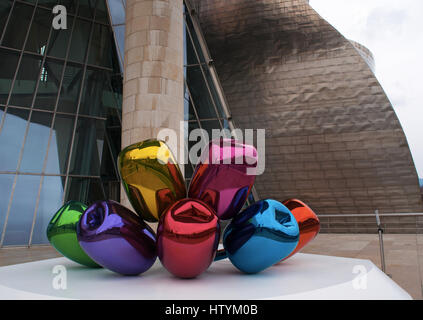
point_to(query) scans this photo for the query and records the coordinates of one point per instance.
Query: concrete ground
(403, 255)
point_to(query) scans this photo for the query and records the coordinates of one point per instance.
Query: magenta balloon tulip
(224, 177)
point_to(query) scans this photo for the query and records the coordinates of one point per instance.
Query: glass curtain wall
(60, 113)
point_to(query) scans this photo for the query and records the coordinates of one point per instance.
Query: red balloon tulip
(308, 222)
(187, 238)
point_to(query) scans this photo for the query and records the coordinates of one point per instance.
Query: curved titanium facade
(332, 136)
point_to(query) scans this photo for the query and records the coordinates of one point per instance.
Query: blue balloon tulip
(260, 236)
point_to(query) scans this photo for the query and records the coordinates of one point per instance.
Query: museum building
(71, 99)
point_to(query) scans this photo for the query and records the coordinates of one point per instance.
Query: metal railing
(378, 225)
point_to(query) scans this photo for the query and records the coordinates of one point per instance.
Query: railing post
(382, 249)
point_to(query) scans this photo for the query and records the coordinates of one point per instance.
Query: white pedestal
(303, 276)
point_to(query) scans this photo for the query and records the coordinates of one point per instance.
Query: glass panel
(114, 135)
(117, 87)
(188, 167)
(120, 39)
(48, 87)
(18, 26)
(68, 101)
(209, 126)
(49, 3)
(109, 175)
(101, 46)
(195, 43)
(117, 11)
(40, 28)
(11, 138)
(86, 8)
(213, 91)
(36, 142)
(26, 80)
(22, 210)
(8, 64)
(80, 37)
(4, 12)
(189, 113)
(61, 138)
(70, 5)
(95, 86)
(101, 13)
(88, 147)
(189, 57)
(59, 40)
(50, 201)
(84, 190)
(6, 183)
(199, 93)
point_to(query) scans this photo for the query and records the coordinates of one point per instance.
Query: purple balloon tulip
(224, 177)
(116, 238)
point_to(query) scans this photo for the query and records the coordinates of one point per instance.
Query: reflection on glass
(48, 87)
(101, 13)
(50, 201)
(5, 6)
(85, 190)
(38, 35)
(80, 37)
(68, 101)
(199, 93)
(58, 152)
(213, 91)
(6, 182)
(22, 210)
(48, 3)
(59, 40)
(36, 142)
(210, 125)
(88, 147)
(189, 107)
(86, 8)
(8, 63)
(117, 11)
(69, 4)
(18, 26)
(120, 39)
(191, 56)
(95, 91)
(93, 174)
(11, 138)
(100, 53)
(26, 80)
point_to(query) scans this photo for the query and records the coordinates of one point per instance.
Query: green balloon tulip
(61, 232)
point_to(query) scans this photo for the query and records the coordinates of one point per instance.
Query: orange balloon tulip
(308, 222)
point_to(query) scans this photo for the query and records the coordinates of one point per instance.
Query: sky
(393, 31)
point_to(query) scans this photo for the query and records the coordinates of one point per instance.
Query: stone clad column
(153, 70)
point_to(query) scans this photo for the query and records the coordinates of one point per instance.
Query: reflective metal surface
(61, 232)
(116, 238)
(151, 178)
(332, 137)
(187, 238)
(224, 177)
(307, 220)
(260, 236)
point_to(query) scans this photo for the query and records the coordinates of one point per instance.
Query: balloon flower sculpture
(107, 234)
